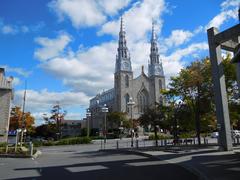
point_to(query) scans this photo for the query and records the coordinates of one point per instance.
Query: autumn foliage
(20, 120)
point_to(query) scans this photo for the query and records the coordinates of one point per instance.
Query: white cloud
(193, 48)
(25, 29)
(14, 29)
(42, 101)
(173, 63)
(138, 20)
(16, 81)
(221, 18)
(7, 29)
(86, 12)
(51, 47)
(112, 7)
(229, 11)
(178, 37)
(229, 3)
(17, 70)
(86, 71)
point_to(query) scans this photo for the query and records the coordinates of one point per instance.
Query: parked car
(214, 134)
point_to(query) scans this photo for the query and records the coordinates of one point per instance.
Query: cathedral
(144, 90)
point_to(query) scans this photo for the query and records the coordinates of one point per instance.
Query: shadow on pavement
(147, 168)
(209, 166)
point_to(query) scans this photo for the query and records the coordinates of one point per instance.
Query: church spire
(153, 33)
(123, 62)
(155, 66)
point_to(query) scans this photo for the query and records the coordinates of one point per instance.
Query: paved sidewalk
(207, 163)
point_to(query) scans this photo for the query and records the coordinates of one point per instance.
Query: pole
(88, 126)
(132, 129)
(23, 112)
(105, 128)
(16, 142)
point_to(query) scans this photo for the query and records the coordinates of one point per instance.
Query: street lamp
(105, 111)
(131, 103)
(88, 114)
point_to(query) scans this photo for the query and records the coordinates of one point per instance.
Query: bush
(75, 140)
(3, 144)
(65, 141)
(186, 135)
(159, 136)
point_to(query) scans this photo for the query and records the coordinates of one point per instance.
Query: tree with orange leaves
(20, 120)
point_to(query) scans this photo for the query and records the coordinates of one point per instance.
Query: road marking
(85, 168)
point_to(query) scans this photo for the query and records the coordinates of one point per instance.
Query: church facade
(144, 90)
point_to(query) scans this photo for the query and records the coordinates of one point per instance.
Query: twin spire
(123, 62)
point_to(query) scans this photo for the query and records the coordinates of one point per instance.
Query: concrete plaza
(85, 162)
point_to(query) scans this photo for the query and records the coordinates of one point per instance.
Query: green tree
(56, 117)
(117, 119)
(154, 117)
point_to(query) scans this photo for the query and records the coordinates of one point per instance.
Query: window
(126, 102)
(142, 101)
(160, 84)
(126, 81)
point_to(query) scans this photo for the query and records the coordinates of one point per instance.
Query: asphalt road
(85, 162)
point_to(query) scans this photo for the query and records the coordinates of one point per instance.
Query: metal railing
(165, 143)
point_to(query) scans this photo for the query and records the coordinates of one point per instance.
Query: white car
(214, 134)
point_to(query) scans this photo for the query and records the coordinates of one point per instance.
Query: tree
(56, 117)
(18, 119)
(154, 117)
(117, 119)
(193, 86)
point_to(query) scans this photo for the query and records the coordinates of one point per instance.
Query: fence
(165, 143)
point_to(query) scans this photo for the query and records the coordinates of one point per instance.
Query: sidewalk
(207, 163)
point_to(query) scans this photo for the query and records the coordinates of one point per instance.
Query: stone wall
(5, 103)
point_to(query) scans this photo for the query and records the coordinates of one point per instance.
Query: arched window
(160, 84)
(126, 102)
(126, 81)
(142, 101)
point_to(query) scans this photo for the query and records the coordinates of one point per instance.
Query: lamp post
(105, 111)
(88, 114)
(131, 104)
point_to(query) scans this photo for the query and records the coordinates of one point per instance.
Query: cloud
(17, 70)
(178, 37)
(41, 102)
(51, 47)
(221, 18)
(174, 62)
(138, 20)
(193, 48)
(229, 10)
(13, 29)
(86, 13)
(7, 29)
(229, 3)
(16, 81)
(86, 71)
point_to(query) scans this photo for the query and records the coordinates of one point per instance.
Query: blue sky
(65, 49)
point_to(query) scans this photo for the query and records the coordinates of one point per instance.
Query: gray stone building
(6, 95)
(144, 89)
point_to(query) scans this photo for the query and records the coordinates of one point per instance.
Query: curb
(38, 153)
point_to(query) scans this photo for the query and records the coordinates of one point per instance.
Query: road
(85, 162)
